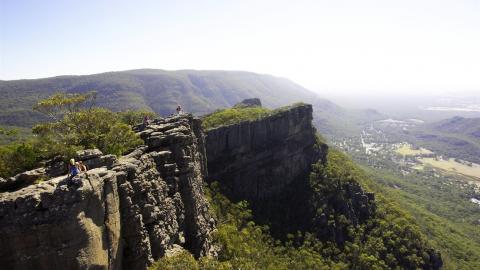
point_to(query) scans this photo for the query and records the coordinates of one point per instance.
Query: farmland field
(453, 166)
(407, 150)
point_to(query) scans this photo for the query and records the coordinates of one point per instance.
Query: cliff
(123, 215)
(267, 162)
(293, 183)
(126, 212)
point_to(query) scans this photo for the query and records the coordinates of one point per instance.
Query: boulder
(100, 161)
(87, 154)
(22, 179)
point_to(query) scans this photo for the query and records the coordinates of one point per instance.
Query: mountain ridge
(459, 125)
(458, 137)
(198, 92)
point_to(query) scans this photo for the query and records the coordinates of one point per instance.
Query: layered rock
(53, 226)
(266, 161)
(123, 215)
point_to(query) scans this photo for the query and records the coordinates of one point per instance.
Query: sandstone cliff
(257, 159)
(123, 215)
(267, 163)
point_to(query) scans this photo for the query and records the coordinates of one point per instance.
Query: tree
(60, 104)
(17, 157)
(135, 117)
(77, 124)
(8, 132)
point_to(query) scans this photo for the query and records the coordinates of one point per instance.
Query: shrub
(182, 260)
(17, 157)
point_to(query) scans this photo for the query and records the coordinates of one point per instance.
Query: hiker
(146, 122)
(82, 167)
(179, 109)
(72, 168)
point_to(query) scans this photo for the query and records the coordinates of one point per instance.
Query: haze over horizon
(333, 47)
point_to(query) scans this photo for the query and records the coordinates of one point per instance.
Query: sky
(337, 47)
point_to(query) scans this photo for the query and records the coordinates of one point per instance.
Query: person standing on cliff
(145, 122)
(179, 109)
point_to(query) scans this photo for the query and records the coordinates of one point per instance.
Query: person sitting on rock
(82, 167)
(72, 168)
(179, 109)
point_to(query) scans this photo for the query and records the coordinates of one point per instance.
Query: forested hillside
(199, 92)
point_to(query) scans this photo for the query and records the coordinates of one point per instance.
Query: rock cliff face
(119, 216)
(267, 162)
(254, 160)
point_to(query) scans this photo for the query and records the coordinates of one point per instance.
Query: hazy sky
(332, 46)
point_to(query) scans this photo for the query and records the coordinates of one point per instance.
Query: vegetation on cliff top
(237, 114)
(232, 116)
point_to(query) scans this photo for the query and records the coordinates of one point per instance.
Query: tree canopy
(75, 124)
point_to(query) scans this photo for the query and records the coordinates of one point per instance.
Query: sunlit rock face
(122, 215)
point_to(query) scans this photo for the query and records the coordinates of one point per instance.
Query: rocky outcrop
(266, 161)
(53, 226)
(249, 102)
(22, 179)
(123, 215)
